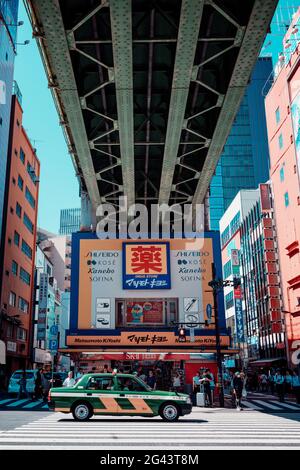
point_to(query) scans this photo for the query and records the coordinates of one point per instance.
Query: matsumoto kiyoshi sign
(146, 265)
(119, 284)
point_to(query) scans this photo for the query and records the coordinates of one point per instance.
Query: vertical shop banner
(239, 319)
(43, 306)
(146, 266)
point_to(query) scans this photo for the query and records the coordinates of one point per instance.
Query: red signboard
(265, 197)
(145, 312)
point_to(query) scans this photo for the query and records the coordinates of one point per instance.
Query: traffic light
(237, 282)
(181, 335)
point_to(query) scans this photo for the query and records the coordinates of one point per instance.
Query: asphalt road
(209, 429)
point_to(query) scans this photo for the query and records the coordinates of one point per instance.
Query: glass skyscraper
(245, 160)
(70, 221)
(8, 34)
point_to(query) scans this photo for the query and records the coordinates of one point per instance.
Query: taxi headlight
(189, 401)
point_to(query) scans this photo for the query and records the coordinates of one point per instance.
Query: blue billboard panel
(146, 265)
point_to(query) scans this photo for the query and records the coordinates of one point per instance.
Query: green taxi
(117, 394)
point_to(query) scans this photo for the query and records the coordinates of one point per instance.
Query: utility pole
(218, 342)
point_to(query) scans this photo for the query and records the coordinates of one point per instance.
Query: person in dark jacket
(238, 387)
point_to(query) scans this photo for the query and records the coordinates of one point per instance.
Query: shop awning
(266, 362)
(2, 353)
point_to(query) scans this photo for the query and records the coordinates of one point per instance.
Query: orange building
(19, 240)
(283, 120)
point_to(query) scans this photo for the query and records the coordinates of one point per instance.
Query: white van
(14, 383)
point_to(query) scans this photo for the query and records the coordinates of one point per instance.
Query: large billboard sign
(121, 286)
(146, 266)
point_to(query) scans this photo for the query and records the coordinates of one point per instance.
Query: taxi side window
(129, 385)
(100, 383)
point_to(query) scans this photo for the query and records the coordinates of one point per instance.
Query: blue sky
(59, 187)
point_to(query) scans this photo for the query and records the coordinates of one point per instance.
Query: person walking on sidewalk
(238, 387)
(23, 385)
(280, 385)
(296, 386)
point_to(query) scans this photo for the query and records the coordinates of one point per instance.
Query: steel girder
(47, 23)
(147, 90)
(253, 39)
(191, 15)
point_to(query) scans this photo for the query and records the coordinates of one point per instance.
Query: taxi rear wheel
(169, 412)
(82, 411)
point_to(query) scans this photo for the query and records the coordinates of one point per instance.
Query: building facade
(283, 121)
(8, 35)
(245, 161)
(70, 221)
(19, 239)
(253, 311)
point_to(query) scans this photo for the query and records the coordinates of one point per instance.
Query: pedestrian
(272, 382)
(288, 382)
(151, 380)
(212, 383)
(69, 382)
(79, 375)
(176, 383)
(238, 387)
(196, 383)
(45, 386)
(106, 370)
(296, 386)
(280, 385)
(23, 384)
(263, 382)
(38, 389)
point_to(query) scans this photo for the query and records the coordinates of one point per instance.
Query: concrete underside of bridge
(147, 90)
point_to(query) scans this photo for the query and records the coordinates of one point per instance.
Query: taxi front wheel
(82, 412)
(169, 412)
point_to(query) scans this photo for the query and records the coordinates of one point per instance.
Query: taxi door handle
(89, 394)
(122, 394)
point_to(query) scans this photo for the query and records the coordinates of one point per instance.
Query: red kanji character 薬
(146, 259)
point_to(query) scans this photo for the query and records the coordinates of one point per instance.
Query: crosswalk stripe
(3, 402)
(32, 405)
(268, 405)
(251, 430)
(290, 407)
(252, 405)
(18, 403)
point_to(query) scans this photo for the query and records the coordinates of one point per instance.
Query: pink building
(283, 121)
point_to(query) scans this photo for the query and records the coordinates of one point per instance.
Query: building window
(21, 334)
(280, 141)
(31, 172)
(22, 156)
(227, 270)
(28, 224)
(17, 239)
(19, 210)
(229, 300)
(30, 198)
(282, 174)
(20, 183)
(25, 276)
(26, 249)
(14, 181)
(286, 199)
(12, 299)
(9, 331)
(225, 237)
(14, 268)
(277, 112)
(23, 305)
